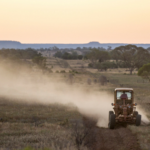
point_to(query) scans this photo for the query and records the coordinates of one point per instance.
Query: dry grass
(19, 136)
(36, 126)
(39, 126)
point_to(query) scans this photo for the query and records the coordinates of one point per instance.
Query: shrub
(73, 71)
(62, 71)
(90, 65)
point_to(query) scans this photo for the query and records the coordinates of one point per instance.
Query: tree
(105, 65)
(58, 54)
(74, 55)
(18, 54)
(132, 56)
(102, 66)
(102, 56)
(40, 61)
(55, 48)
(80, 56)
(144, 71)
(97, 55)
(109, 48)
(78, 48)
(67, 55)
(148, 48)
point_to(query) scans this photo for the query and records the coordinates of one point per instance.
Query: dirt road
(120, 138)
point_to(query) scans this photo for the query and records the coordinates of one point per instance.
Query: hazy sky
(75, 21)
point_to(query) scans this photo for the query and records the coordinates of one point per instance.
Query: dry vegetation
(55, 127)
(37, 126)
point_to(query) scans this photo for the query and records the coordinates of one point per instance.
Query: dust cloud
(144, 118)
(25, 85)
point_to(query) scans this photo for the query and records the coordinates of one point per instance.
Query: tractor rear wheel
(110, 112)
(138, 120)
(112, 121)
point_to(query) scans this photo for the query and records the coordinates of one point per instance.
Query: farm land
(26, 126)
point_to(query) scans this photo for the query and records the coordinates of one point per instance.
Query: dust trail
(34, 87)
(25, 85)
(145, 119)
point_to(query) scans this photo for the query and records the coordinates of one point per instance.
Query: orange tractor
(124, 108)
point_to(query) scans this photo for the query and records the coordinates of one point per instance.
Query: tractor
(124, 108)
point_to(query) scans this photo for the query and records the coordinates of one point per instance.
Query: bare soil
(120, 138)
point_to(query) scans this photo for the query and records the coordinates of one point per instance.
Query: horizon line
(70, 43)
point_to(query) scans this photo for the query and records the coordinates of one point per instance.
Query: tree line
(67, 55)
(18, 55)
(129, 56)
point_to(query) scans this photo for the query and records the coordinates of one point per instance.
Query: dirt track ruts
(120, 138)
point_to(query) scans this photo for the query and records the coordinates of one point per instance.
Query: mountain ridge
(19, 45)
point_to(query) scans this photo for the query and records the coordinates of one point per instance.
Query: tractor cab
(123, 96)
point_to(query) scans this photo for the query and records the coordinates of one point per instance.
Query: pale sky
(75, 21)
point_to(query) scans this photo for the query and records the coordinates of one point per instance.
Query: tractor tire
(135, 113)
(112, 121)
(110, 112)
(138, 120)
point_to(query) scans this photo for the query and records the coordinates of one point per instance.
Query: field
(59, 127)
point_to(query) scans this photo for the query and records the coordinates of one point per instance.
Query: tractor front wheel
(138, 120)
(112, 121)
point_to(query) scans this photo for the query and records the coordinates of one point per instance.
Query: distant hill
(9, 44)
(18, 45)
